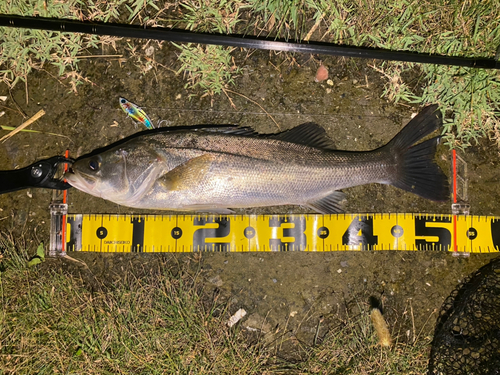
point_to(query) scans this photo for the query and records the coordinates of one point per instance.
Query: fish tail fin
(416, 169)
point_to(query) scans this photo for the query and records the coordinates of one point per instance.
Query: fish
(218, 169)
(136, 113)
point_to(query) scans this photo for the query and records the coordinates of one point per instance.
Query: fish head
(103, 175)
(121, 174)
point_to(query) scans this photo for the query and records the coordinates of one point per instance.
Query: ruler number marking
(201, 235)
(296, 232)
(360, 233)
(422, 230)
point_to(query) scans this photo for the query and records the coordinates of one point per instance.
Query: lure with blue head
(136, 113)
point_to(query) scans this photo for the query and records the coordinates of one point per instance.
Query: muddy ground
(288, 292)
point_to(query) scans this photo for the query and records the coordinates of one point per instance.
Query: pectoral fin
(187, 175)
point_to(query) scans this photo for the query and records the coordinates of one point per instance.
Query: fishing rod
(182, 36)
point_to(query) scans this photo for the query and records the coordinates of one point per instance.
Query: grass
(23, 50)
(155, 322)
(51, 322)
(284, 17)
(353, 349)
(469, 97)
(211, 68)
(211, 16)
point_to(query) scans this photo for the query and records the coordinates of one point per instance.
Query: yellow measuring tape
(242, 233)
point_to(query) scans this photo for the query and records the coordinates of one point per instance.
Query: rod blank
(181, 36)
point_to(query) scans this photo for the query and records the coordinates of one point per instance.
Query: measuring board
(243, 233)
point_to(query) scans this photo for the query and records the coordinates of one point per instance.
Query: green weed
(211, 68)
(211, 15)
(23, 50)
(287, 18)
(470, 96)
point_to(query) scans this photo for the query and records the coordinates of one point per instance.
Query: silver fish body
(207, 170)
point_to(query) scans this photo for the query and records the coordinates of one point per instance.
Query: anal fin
(212, 210)
(330, 204)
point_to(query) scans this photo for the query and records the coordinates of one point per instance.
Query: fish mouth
(80, 180)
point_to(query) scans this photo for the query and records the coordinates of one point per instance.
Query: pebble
(236, 317)
(321, 74)
(150, 50)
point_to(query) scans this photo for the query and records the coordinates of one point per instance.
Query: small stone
(329, 82)
(328, 91)
(216, 280)
(321, 74)
(236, 317)
(149, 51)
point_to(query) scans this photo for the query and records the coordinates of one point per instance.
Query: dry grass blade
(99, 56)
(254, 102)
(316, 24)
(31, 120)
(34, 131)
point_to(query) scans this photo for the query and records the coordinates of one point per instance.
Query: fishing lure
(136, 113)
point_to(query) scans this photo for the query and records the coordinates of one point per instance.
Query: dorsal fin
(308, 134)
(234, 130)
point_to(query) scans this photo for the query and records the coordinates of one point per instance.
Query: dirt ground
(291, 292)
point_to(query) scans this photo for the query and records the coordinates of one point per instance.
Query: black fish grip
(37, 175)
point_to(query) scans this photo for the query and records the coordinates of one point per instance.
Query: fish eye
(94, 165)
(123, 101)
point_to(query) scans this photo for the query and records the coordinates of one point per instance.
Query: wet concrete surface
(289, 292)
